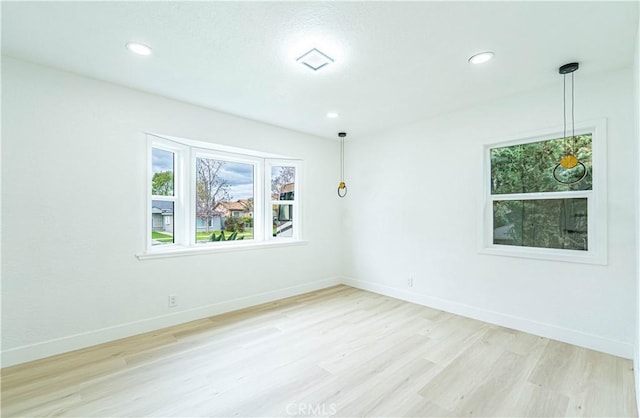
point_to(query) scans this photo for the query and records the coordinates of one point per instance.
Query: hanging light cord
(564, 114)
(342, 187)
(564, 111)
(573, 118)
(342, 159)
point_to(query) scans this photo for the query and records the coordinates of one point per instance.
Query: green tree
(284, 175)
(211, 188)
(234, 224)
(528, 168)
(162, 183)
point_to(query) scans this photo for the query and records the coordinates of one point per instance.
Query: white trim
(596, 200)
(567, 335)
(219, 147)
(636, 351)
(223, 247)
(74, 342)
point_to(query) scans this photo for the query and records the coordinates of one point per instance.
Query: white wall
(636, 351)
(413, 211)
(73, 214)
(73, 155)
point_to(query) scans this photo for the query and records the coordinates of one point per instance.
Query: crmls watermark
(312, 409)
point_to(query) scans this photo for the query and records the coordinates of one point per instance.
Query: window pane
(544, 223)
(282, 220)
(161, 222)
(224, 200)
(283, 183)
(162, 168)
(528, 168)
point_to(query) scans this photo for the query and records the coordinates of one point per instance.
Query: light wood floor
(339, 351)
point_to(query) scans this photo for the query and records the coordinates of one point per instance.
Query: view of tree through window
(224, 200)
(546, 223)
(558, 222)
(162, 188)
(207, 197)
(528, 168)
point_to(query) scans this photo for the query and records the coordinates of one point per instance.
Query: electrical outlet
(173, 301)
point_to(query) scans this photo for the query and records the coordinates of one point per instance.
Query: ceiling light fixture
(315, 59)
(332, 115)
(138, 48)
(481, 57)
(570, 169)
(342, 187)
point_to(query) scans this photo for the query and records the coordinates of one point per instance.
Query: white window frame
(258, 167)
(596, 200)
(179, 215)
(184, 223)
(295, 203)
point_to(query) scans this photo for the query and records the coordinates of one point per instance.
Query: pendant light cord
(573, 119)
(564, 114)
(341, 159)
(342, 187)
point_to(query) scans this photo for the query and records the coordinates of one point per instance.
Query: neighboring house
(283, 214)
(286, 191)
(162, 216)
(215, 223)
(241, 208)
(223, 210)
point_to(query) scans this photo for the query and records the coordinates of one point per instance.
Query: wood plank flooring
(335, 352)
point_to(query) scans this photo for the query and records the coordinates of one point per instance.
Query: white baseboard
(74, 342)
(636, 372)
(49, 348)
(594, 342)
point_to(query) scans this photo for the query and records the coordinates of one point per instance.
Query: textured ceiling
(395, 62)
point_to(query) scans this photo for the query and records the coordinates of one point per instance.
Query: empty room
(349, 209)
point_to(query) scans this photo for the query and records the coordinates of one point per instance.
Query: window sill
(182, 252)
(568, 256)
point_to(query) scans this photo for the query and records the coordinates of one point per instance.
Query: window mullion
(542, 196)
(190, 207)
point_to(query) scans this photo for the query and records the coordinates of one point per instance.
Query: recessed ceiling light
(481, 57)
(315, 59)
(332, 115)
(138, 48)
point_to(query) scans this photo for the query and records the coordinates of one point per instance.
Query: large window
(207, 196)
(225, 194)
(536, 208)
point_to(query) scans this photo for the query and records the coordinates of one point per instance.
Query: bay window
(205, 196)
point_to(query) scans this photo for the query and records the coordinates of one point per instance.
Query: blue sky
(161, 160)
(240, 178)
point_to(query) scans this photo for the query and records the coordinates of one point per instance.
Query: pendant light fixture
(570, 169)
(342, 187)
